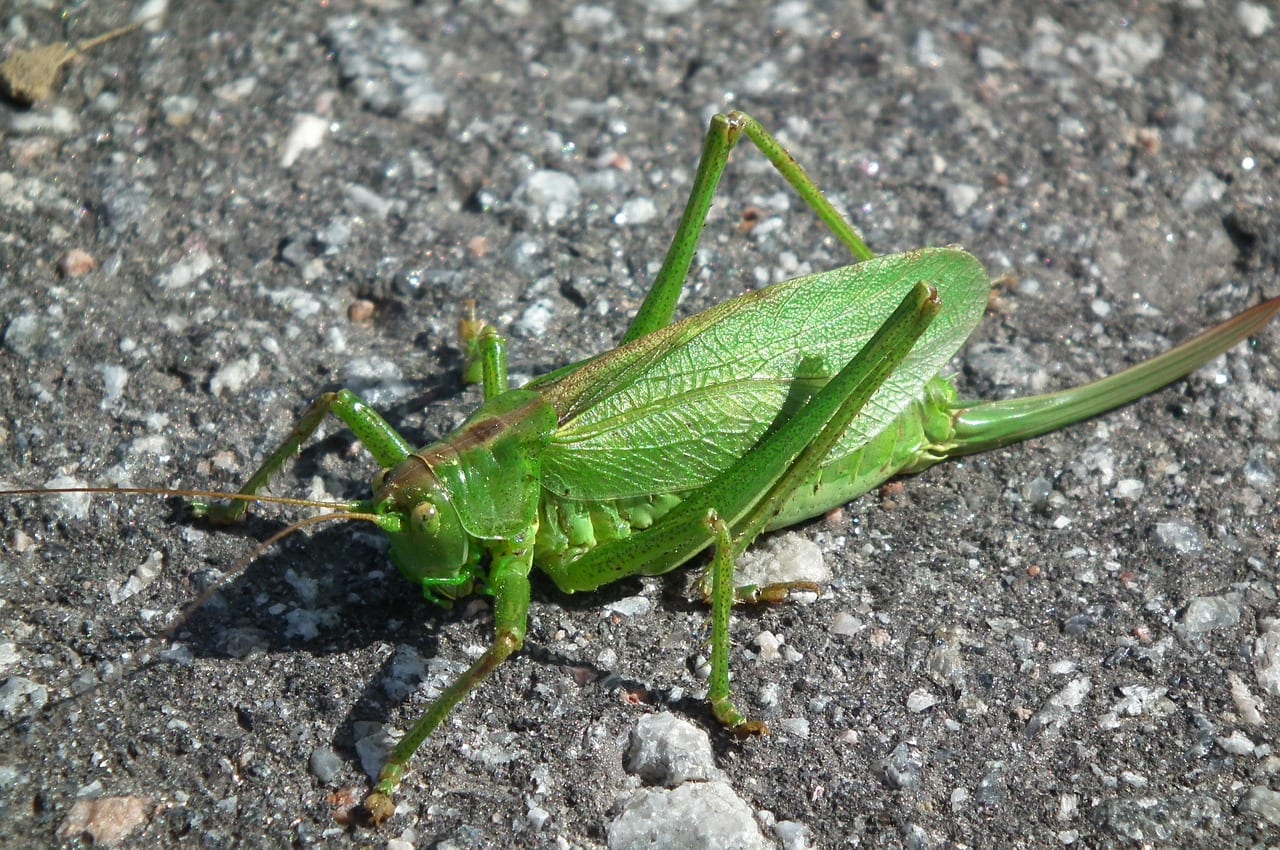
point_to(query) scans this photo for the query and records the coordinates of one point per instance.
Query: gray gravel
(1072, 643)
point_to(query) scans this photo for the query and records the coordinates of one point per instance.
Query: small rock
(846, 624)
(73, 505)
(21, 697)
(793, 835)
(1204, 189)
(631, 606)
(961, 197)
(991, 790)
(234, 376)
(76, 263)
(694, 816)
(549, 197)
(360, 311)
(325, 764)
(307, 134)
(107, 820)
(769, 645)
(1128, 488)
(1247, 705)
(921, 700)
(903, 767)
(637, 211)
(1263, 803)
(945, 664)
(1206, 613)
(1237, 744)
(666, 750)
(1058, 707)
(1179, 536)
(1255, 18)
(1266, 657)
(782, 558)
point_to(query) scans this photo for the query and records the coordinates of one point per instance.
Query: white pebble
(307, 134)
(234, 376)
(637, 211)
(846, 624)
(1255, 18)
(114, 379)
(1128, 488)
(1237, 744)
(921, 700)
(74, 505)
(548, 196)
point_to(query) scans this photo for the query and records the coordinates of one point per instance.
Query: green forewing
(667, 412)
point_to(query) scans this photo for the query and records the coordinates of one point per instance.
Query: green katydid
(758, 413)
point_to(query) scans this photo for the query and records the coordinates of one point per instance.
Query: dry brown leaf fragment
(30, 76)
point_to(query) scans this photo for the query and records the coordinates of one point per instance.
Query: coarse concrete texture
(216, 218)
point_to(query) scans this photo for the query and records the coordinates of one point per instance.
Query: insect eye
(426, 517)
(379, 479)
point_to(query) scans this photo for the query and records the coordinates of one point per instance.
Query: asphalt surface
(1061, 644)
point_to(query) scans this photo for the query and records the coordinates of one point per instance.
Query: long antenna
(345, 507)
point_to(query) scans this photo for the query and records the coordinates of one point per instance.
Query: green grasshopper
(763, 411)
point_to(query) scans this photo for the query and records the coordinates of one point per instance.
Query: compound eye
(426, 518)
(379, 479)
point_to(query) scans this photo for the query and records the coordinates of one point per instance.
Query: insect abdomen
(913, 442)
(569, 527)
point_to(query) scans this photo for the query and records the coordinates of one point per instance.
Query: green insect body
(760, 412)
(616, 468)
